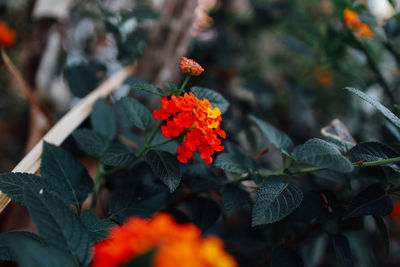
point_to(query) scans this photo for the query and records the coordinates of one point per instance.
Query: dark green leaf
(275, 200)
(381, 108)
(139, 115)
(166, 167)
(334, 177)
(63, 170)
(143, 260)
(235, 200)
(83, 78)
(98, 228)
(124, 204)
(343, 251)
(103, 119)
(216, 99)
(6, 252)
(12, 183)
(283, 256)
(235, 163)
(196, 177)
(273, 135)
(91, 142)
(373, 151)
(29, 251)
(117, 155)
(172, 88)
(205, 212)
(384, 232)
(149, 88)
(320, 153)
(56, 222)
(317, 206)
(373, 200)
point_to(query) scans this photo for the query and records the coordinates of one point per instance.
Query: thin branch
(25, 88)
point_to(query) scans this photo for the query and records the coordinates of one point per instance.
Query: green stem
(379, 162)
(184, 84)
(315, 169)
(138, 156)
(154, 133)
(162, 143)
(97, 186)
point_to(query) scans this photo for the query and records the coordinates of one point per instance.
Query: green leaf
(29, 250)
(343, 251)
(320, 153)
(91, 142)
(124, 204)
(373, 151)
(283, 256)
(277, 138)
(166, 167)
(6, 253)
(317, 207)
(12, 183)
(384, 232)
(196, 177)
(139, 115)
(172, 88)
(103, 119)
(149, 88)
(216, 99)
(143, 260)
(83, 78)
(235, 200)
(65, 172)
(235, 163)
(381, 108)
(373, 200)
(56, 222)
(98, 228)
(205, 212)
(117, 155)
(275, 200)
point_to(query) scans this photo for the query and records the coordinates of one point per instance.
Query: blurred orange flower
(7, 35)
(176, 244)
(352, 22)
(323, 76)
(191, 67)
(197, 120)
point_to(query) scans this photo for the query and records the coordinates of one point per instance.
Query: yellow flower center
(213, 113)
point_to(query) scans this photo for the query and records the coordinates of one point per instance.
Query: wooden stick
(64, 127)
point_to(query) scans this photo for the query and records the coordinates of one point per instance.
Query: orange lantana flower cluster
(191, 67)
(7, 35)
(197, 120)
(175, 245)
(352, 22)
